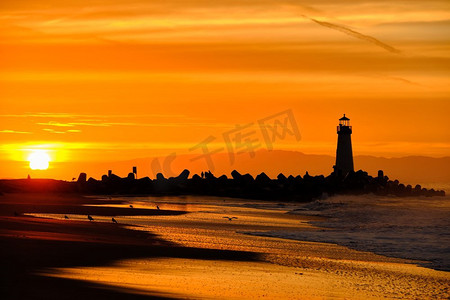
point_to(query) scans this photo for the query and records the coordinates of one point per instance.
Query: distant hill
(410, 170)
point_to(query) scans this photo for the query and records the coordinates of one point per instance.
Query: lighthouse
(344, 154)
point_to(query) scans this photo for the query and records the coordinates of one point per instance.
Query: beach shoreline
(188, 250)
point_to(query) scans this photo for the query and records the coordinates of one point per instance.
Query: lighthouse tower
(344, 154)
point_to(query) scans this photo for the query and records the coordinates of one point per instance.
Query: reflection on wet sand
(194, 253)
(284, 269)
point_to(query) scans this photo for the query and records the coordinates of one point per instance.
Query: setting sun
(39, 160)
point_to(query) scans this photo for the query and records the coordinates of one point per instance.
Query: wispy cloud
(86, 116)
(53, 131)
(356, 34)
(61, 132)
(73, 124)
(403, 80)
(56, 124)
(136, 124)
(14, 131)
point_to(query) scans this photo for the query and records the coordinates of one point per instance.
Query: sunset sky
(91, 81)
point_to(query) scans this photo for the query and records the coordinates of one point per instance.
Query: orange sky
(117, 80)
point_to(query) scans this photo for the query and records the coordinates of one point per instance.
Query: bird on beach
(230, 218)
(66, 217)
(90, 218)
(114, 220)
(131, 206)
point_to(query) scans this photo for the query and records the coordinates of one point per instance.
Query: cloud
(53, 131)
(403, 80)
(87, 117)
(60, 132)
(89, 124)
(137, 124)
(14, 131)
(356, 34)
(57, 124)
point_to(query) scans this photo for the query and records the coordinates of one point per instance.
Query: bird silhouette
(90, 218)
(73, 179)
(114, 220)
(230, 218)
(157, 207)
(131, 206)
(66, 217)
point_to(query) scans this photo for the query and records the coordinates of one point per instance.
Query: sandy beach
(186, 249)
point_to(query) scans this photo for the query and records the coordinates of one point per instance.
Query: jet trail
(356, 35)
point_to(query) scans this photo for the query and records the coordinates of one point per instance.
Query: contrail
(356, 35)
(402, 80)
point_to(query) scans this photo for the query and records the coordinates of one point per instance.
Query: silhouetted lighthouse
(344, 154)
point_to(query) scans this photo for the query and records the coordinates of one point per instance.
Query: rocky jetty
(262, 187)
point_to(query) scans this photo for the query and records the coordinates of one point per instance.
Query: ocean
(415, 228)
(411, 228)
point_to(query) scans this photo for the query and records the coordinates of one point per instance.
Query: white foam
(412, 228)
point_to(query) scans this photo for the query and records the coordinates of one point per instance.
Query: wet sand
(198, 254)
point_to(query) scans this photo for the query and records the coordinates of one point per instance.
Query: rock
(209, 175)
(91, 180)
(380, 174)
(236, 175)
(247, 178)
(82, 178)
(281, 177)
(262, 178)
(114, 177)
(183, 175)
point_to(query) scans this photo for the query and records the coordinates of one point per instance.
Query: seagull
(157, 207)
(114, 220)
(73, 179)
(66, 217)
(131, 206)
(230, 218)
(90, 218)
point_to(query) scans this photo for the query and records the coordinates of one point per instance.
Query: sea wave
(410, 228)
